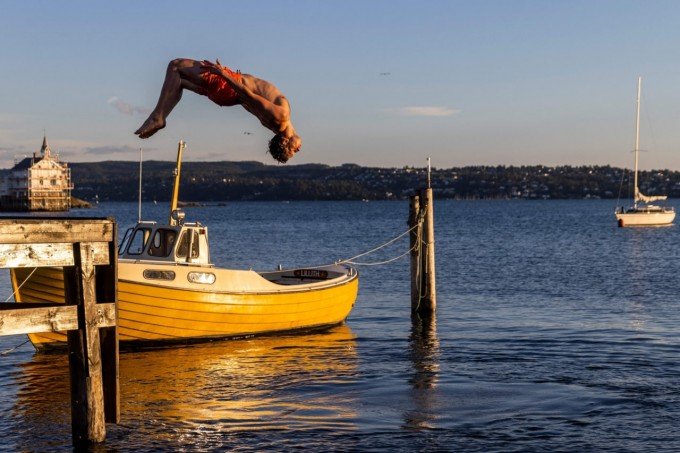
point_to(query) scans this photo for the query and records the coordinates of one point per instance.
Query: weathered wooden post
(415, 242)
(78, 246)
(428, 301)
(421, 224)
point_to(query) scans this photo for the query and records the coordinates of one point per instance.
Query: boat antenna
(429, 170)
(139, 204)
(175, 190)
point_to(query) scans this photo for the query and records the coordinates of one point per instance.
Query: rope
(348, 260)
(377, 263)
(419, 278)
(420, 219)
(22, 284)
(618, 197)
(14, 348)
(7, 300)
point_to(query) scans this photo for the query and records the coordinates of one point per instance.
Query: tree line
(228, 181)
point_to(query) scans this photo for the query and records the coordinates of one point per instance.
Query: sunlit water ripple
(555, 330)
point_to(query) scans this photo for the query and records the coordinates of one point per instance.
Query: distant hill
(225, 181)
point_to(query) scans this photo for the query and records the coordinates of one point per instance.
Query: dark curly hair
(278, 148)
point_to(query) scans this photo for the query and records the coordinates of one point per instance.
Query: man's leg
(181, 73)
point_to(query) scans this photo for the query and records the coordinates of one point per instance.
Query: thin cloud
(126, 108)
(18, 150)
(106, 150)
(424, 111)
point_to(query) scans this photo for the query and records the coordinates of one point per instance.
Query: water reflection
(283, 382)
(424, 355)
(43, 406)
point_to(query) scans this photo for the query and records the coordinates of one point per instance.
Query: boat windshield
(138, 241)
(188, 241)
(124, 242)
(163, 242)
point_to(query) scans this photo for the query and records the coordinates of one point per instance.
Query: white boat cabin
(184, 243)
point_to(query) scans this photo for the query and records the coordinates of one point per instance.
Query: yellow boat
(169, 291)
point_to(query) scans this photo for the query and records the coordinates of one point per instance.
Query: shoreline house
(38, 183)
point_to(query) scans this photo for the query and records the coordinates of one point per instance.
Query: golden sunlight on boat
(155, 313)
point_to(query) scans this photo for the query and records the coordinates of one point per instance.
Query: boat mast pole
(139, 198)
(637, 142)
(176, 173)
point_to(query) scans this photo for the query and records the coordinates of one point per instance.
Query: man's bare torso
(269, 92)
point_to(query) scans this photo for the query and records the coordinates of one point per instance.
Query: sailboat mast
(637, 141)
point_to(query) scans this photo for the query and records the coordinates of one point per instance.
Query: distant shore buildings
(38, 183)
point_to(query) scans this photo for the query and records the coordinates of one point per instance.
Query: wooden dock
(86, 250)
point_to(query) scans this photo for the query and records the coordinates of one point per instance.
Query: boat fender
(620, 223)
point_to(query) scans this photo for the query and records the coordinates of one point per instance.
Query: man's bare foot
(150, 127)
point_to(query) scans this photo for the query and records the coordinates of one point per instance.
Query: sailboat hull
(645, 218)
(237, 304)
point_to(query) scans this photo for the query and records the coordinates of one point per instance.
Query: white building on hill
(38, 183)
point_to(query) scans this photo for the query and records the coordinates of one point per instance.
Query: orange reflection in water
(282, 382)
(258, 383)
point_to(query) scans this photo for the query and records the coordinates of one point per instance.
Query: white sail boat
(643, 213)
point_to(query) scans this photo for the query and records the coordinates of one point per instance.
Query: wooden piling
(77, 245)
(107, 289)
(429, 300)
(415, 226)
(421, 223)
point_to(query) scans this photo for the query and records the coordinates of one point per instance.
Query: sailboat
(169, 290)
(643, 213)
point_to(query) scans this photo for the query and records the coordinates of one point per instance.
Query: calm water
(555, 331)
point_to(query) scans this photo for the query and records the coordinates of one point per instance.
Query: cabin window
(153, 274)
(54, 182)
(184, 244)
(163, 242)
(205, 278)
(124, 242)
(138, 241)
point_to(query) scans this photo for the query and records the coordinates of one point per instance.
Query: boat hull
(181, 311)
(630, 219)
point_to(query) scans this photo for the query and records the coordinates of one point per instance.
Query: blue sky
(469, 82)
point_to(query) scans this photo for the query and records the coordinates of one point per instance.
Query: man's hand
(216, 68)
(209, 66)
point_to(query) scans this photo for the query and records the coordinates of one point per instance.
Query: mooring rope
(14, 348)
(618, 197)
(22, 284)
(391, 241)
(7, 351)
(419, 280)
(377, 263)
(420, 220)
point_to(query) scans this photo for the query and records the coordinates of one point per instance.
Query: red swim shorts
(219, 91)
